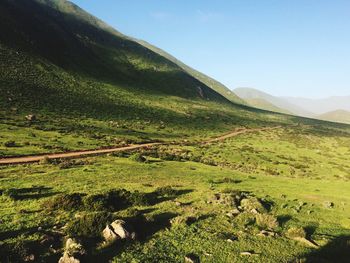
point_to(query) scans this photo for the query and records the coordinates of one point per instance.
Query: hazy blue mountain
(320, 106)
(250, 94)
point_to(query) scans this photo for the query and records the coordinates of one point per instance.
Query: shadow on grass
(23, 250)
(174, 195)
(35, 192)
(283, 219)
(337, 250)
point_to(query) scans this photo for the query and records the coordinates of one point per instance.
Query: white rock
(118, 230)
(67, 259)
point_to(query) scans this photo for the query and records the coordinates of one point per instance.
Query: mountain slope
(284, 105)
(210, 82)
(265, 105)
(75, 41)
(341, 116)
(92, 86)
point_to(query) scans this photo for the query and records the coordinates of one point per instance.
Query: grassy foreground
(187, 218)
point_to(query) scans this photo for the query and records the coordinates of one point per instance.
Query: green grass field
(296, 199)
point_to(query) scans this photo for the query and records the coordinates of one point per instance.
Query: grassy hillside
(336, 116)
(210, 82)
(81, 77)
(90, 86)
(85, 46)
(265, 105)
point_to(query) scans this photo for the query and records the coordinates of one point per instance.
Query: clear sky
(284, 47)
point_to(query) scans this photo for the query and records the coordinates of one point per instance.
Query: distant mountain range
(282, 104)
(321, 106)
(332, 109)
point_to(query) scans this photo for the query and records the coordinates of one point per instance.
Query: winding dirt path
(238, 132)
(37, 158)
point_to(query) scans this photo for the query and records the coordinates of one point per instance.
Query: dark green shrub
(121, 154)
(10, 144)
(266, 221)
(98, 202)
(11, 193)
(166, 191)
(66, 164)
(46, 160)
(18, 251)
(295, 232)
(118, 199)
(66, 202)
(89, 225)
(143, 199)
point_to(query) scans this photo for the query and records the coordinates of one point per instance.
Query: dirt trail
(37, 158)
(238, 132)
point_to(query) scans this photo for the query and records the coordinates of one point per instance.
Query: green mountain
(64, 35)
(342, 116)
(210, 82)
(82, 78)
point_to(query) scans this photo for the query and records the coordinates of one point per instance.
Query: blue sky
(284, 47)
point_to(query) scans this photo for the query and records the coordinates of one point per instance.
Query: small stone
(235, 212)
(30, 117)
(29, 258)
(328, 204)
(177, 203)
(254, 211)
(40, 228)
(191, 258)
(265, 233)
(231, 239)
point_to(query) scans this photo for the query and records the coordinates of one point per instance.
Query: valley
(112, 150)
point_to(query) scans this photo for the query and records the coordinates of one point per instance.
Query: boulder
(191, 258)
(328, 204)
(118, 230)
(72, 252)
(67, 259)
(30, 117)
